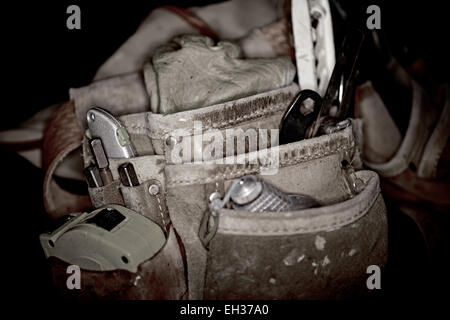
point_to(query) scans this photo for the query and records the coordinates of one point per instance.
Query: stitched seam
(219, 176)
(232, 121)
(283, 163)
(301, 229)
(133, 126)
(161, 210)
(252, 116)
(338, 223)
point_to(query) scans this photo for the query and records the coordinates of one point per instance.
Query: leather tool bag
(308, 254)
(232, 254)
(314, 253)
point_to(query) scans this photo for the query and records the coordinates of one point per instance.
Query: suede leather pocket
(108, 194)
(315, 167)
(161, 277)
(151, 205)
(317, 253)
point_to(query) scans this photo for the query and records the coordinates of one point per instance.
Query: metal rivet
(358, 185)
(171, 142)
(318, 11)
(153, 189)
(213, 196)
(92, 116)
(317, 14)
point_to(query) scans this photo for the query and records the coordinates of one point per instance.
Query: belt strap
(194, 20)
(62, 135)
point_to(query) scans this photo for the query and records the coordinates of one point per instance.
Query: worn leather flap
(320, 253)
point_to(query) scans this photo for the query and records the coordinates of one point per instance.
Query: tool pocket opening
(315, 253)
(311, 167)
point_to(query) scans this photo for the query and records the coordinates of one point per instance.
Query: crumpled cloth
(192, 72)
(231, 19)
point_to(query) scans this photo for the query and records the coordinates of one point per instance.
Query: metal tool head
(247, 190)
(341, 86)
(99, 153)
(114, 136)
(294, 122)
(128, 175)
(93, 176)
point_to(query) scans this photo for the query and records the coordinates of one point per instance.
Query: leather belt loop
(62, 135)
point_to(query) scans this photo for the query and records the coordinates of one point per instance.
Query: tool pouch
(148, 198)
(231, 254)
(308, 254)
(319, 253)
(160, 277)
